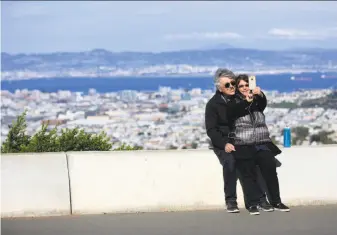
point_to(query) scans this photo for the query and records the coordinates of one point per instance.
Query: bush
(125, 147)
(43, 141)
(48, 141)
(194, 145)
(323, 137)
(16, 137)
(78, 140)
(300, 134)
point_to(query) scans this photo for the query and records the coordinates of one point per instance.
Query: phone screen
(252, 82)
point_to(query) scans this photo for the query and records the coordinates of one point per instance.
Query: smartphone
(252, 82)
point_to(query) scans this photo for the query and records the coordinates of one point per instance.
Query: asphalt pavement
(308, 220)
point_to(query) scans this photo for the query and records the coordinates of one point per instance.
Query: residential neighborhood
(163, 119)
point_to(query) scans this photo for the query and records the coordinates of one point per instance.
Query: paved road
(313, 220)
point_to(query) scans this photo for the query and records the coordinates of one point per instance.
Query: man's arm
(212, 130)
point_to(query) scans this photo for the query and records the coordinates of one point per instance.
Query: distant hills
(222, 55)
(221, 46)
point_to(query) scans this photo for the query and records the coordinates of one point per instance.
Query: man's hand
(257, 91)
(229, 148)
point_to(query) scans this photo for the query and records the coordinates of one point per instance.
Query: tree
(16, 138)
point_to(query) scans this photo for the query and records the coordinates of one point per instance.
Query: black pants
(231, 175)
(246, 165)
(262, 187)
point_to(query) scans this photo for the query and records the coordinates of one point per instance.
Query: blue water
(279, 82)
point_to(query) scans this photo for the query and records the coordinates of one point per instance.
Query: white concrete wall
(188, 179)
(144, 181)
(308, 175)
(34, 184)
(139, 181)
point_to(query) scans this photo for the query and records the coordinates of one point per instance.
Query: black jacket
(216, 121)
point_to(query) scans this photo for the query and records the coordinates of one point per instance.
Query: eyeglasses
(246, 85)
(228, 84)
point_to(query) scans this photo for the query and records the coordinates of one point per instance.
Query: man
(217, 128)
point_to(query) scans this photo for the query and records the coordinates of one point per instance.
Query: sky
(51, 26)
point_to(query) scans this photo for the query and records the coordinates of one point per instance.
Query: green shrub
(16, 138)
(49, 141)
(125, 147)
(78, 140)
(43, 141)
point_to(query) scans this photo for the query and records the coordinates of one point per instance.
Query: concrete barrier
(308, 175)
(139, 181)
(144, 181)
(34, 185)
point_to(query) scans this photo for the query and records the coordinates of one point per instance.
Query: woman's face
(227, 85)
(243, 87)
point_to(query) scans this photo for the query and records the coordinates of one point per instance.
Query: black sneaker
(265, 206)
(281, 207)
(253, 210)
(232, 207)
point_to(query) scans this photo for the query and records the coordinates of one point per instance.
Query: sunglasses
(228, 84)
(246, 85)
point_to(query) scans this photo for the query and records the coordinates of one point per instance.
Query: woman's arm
(237, 108)
(261, 101)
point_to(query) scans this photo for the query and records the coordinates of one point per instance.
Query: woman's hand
(257, 91)
(249, 97)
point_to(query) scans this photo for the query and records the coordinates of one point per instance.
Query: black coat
(216, 122)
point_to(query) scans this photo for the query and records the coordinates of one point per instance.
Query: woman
(218, 130)
(253, 146)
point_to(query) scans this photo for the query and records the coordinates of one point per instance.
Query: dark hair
(241, 77)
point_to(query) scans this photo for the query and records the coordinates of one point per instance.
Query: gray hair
(222, 73)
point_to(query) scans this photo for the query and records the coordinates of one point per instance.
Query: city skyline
(42, 27)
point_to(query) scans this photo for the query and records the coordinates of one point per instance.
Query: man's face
(227, 85)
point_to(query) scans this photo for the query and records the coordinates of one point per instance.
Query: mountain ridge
(236, 57)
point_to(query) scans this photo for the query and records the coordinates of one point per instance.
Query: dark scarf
(225, 97)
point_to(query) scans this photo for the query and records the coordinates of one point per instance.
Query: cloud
(297, 34)
(203, 36)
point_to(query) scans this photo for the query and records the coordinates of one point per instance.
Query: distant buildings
(163, 119)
